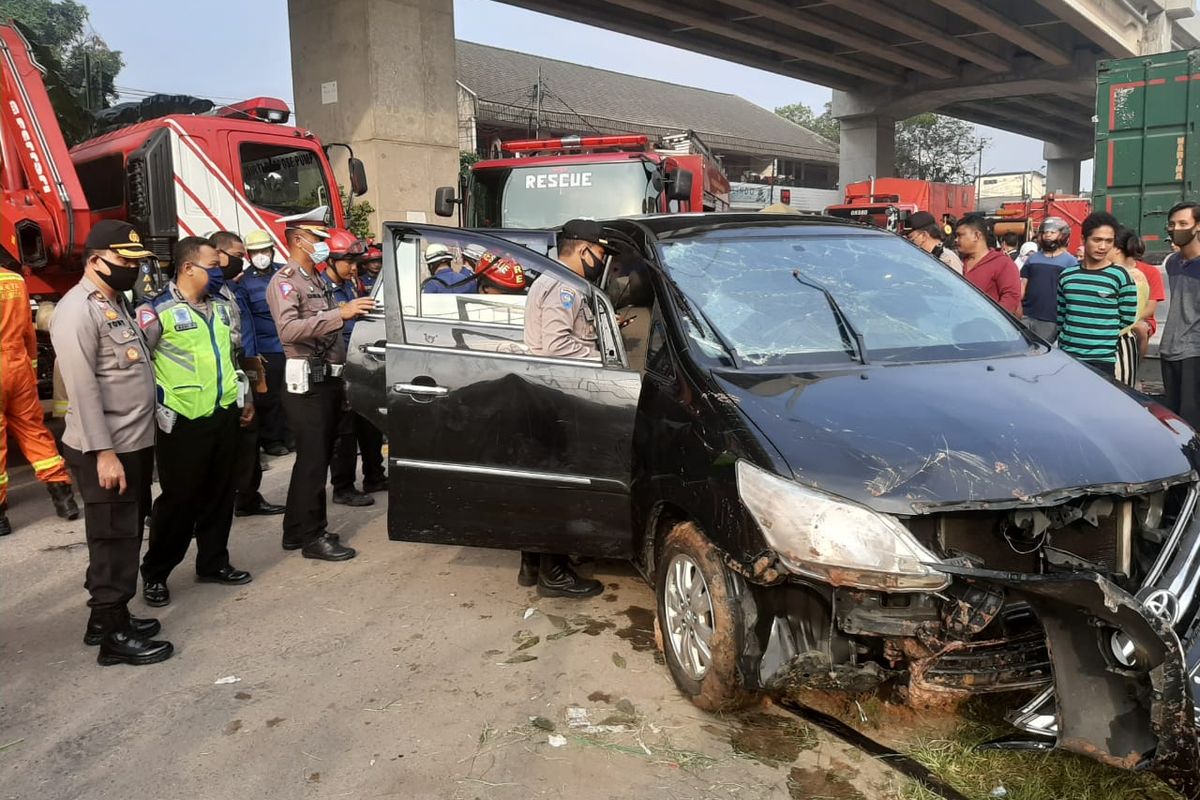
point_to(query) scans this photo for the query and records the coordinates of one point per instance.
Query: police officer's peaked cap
(311, 221)
(120, 237)
(584, 230)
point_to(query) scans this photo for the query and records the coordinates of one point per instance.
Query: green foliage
(58, 27)
(358, 218)
(465, 159)
(824, 125)
(936, 148)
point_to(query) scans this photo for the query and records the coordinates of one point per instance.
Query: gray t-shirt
(1181, 333)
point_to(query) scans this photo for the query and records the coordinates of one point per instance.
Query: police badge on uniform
(566, 297)
(285, 289)
(183, 318)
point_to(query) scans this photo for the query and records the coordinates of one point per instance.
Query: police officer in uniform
(190, 331)
(354, 432)
(109, 438)
(310, 329)
(274, 436)
(559, 323)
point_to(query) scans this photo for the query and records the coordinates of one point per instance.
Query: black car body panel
(493, 447)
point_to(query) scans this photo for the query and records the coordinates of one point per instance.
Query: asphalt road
(397, 674)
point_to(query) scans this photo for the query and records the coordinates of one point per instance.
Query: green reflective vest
(193, 362)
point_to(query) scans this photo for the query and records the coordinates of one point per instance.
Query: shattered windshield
(762, 294)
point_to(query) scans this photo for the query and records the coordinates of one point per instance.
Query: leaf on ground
(563, 634)
(542, 723)
(557, 621)
(519, 659)
(528, 643)
(626, 708)
(521, 636)
(619, 660)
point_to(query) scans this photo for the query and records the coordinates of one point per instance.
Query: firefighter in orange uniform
(22, 416)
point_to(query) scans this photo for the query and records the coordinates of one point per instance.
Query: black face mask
(233, 268)
(937, 251)
(1182, 237)
(1051, 245)
(593, 267)
(120, 277)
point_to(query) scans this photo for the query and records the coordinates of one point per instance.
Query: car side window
(658, 355)
(458, 277)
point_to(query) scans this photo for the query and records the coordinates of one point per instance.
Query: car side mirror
(681, 185)
(358, 177)
(444, 200)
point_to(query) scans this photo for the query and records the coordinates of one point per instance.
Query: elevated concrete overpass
(1026, 66)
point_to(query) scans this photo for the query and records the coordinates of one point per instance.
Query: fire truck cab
(541, 183)
(888, 202)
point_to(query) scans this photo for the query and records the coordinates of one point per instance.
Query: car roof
(665, 226)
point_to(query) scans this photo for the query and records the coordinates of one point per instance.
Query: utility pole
(537, 120)
(87, 80)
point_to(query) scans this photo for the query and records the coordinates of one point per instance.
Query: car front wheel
(701, 625)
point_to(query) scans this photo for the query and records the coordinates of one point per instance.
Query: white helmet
(437, 253)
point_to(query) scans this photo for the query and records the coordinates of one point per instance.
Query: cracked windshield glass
(763, 295)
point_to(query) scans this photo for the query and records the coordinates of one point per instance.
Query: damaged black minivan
(837, 462)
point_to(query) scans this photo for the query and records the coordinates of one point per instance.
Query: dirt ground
(412, 671)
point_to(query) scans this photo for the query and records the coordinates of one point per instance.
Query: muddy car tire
(692, 595)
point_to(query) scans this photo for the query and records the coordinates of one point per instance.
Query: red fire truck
(1024, 217)
(541, 183)
(235, 168)
(887, 202)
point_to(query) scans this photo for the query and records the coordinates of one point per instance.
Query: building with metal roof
(504, 94)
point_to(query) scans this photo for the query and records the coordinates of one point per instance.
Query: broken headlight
(835, 541)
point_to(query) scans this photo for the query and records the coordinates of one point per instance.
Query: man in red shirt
(992, 272)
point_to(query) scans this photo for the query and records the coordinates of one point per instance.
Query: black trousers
(354, 435)
(313, 417)
(195, 474)
(247, 468)
(113, 526)
(1181, 387)
(273, 425)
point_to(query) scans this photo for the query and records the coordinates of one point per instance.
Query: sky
(162, 53)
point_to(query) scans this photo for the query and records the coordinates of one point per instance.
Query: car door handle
(379, 349)
(418, 389)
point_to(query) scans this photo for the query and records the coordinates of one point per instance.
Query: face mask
(216, 278)
(1182, 237)
(120, 278)
(319, 252)
(593, 267)
(260, 260)
(1050, 245)
(233, 268)
(937, 251)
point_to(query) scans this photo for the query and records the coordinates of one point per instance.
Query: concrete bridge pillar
(1063, 162)
(868, 148)
(379, 75)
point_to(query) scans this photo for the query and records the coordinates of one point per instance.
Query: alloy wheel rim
(689, 616)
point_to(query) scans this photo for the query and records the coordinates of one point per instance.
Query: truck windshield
(550, 194)
(284, 179)
(906, 304)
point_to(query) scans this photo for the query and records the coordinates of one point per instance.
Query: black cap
(919, 220)
(121, 237)
(585, 230)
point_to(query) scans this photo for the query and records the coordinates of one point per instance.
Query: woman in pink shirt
(990, 271)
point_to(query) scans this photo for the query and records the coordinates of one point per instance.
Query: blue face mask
(216, 279)
(320, 252)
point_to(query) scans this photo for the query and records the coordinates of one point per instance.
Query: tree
(84, 63)
(358, 218)
(824, 125)
(466, 158)
(936, 148)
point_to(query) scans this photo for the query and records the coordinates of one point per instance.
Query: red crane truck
(541, 183)
(888, 202)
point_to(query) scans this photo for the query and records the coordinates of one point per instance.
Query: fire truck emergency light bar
(631, 142)
(267, 109)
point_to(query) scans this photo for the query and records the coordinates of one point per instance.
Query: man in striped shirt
(1097, 299)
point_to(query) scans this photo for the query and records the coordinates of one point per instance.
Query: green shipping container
(1147, 157)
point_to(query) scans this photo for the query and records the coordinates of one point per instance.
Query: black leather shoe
(141, 628)
(370, 487)
(276, 449)
(328, 549)
(528, 574)
(156, 593)
(125, 647)
(229, 576)
(289, 545)
(352, 497)
(557, 579)
(261, 508)
(64, 500)
(5, 525)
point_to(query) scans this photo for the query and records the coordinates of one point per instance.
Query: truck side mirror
(681, 185)
(358, 177)
(444, 200)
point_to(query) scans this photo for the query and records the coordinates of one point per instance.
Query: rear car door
(489, 445)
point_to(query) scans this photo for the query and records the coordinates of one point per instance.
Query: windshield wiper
(850, 334)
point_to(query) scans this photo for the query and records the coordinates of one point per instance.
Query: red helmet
(344, 244)
(374, 252)
(503, 273)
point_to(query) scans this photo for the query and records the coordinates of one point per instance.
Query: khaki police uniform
(105, 364)
(558, 321)
(197, 439)
(309, 323)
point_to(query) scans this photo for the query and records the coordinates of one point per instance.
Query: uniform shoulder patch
(566, 296)
(286, 272)
(146, 317)
(285, 289)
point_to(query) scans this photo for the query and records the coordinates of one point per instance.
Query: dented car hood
(909, 439)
